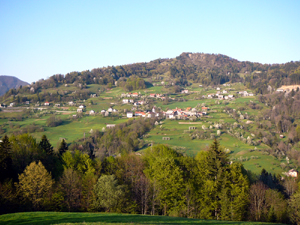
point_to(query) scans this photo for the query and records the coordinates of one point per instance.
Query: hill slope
(8, 82)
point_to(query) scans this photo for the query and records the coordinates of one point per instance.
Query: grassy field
(254, 160)
(45, 218)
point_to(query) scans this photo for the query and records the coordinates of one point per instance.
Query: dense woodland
(208, 69)
(161, 181)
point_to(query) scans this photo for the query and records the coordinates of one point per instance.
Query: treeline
(161, 181)
(20, 96)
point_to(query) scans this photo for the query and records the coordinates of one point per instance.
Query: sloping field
(45, 218)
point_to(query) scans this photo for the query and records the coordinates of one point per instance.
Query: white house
(170, 114)
(184, 91)
(110, 109)
(125, 101)
(220, 97)
(129, 114)
(151, 115)
(92, 112)
(110, 125)
(292, 173)
(79, 110)
(225, 92)
(81, 107)
(46, 103)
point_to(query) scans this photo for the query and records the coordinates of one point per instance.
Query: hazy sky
(45, 37)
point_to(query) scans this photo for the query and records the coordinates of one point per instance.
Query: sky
(41, 38)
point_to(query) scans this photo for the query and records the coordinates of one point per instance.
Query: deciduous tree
(108, 193)
(35, 183)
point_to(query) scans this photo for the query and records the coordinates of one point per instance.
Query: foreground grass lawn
(35, 218)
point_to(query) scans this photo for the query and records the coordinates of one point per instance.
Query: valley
(233, 121)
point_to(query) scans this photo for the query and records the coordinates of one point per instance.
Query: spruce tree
(217, 161)
(46, 146)
(216, 177)
(5, 158)
(63, 147)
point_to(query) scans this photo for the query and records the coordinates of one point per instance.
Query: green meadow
(65, 218)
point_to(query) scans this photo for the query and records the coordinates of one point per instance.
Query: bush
(54, 121)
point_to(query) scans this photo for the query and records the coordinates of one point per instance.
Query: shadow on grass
(148, 84)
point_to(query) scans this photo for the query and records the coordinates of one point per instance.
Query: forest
(160, 181)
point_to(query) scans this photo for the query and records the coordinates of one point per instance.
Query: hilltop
(187, 68)
(8, 82)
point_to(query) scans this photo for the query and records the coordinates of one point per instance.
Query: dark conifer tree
(5, 158)
(46, 146)
(63, 147)
(217, 160)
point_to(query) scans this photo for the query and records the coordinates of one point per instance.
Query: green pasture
(76, 129)
(71, 129)
(65, 218)
(253, 157)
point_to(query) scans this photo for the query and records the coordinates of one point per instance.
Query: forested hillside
(208, 69)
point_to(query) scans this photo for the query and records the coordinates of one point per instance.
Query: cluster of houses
(135, 95)
(171, 113)
(223, 95)
(291, 173)
(131, 101)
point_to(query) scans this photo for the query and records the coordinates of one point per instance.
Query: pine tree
(46, 146)
(217, 161)
(5, 158)
(63, 147)
(214, 182)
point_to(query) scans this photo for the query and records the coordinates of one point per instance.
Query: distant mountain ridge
(8, 82)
